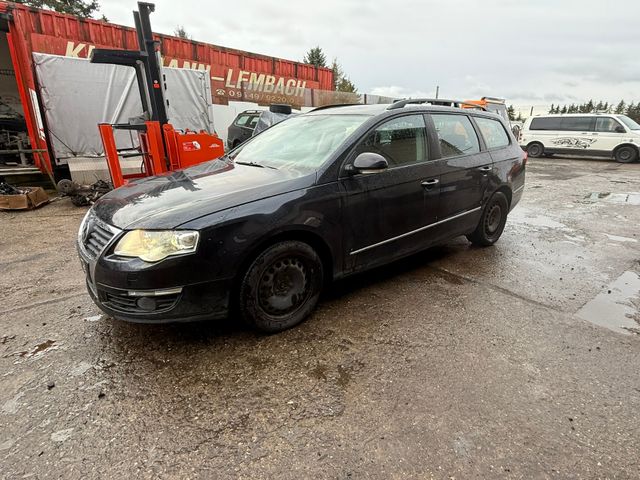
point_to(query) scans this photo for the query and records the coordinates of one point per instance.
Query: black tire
(492, 221)
(280, 108)
(535, 150)
(281, 287)
(626, 154)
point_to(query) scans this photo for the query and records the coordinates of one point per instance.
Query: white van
(589, 134)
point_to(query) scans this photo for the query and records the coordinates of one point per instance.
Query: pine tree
(79, 8)
(511, 112)
(552, 109)
(315, 56)
(564, 109)
(621, 108)
(180, 32)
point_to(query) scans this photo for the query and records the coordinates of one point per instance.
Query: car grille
(96, 236)
(123, 303)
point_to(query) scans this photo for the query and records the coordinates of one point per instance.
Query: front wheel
(281, 286)
(492, 221)
(626, 155)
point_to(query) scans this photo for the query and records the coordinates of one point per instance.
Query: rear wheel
(535, 150)
(492, 221)
(281, 286)
(626, 154)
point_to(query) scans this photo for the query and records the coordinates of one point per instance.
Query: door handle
(430, 183)
(485, 169)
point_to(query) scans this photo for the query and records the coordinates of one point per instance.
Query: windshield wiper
(254, 164)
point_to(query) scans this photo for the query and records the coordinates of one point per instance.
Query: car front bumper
(177, 289)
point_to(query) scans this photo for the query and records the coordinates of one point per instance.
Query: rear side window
(402, 141)
(456, 135)
(242, 120)
(577, 124)
(549, 123)
(606, 124)
(493, 132)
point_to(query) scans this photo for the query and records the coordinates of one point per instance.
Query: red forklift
(162, 148)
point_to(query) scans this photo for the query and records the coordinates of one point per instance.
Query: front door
(609, 133)
(386, 213)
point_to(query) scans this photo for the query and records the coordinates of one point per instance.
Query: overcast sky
(530, 52)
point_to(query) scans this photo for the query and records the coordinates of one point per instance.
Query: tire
(492, 221)
(281, 287)
(280, 108)
(535, 150)
(626, 154)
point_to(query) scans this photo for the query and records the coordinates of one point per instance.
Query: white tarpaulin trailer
(77, 95)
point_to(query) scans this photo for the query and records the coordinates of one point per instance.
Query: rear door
(388, 214)
(575, 136)
(464, 170)
(506, 155)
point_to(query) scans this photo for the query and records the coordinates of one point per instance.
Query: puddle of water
(631, 198)
(620, 239)
(522, 217)
(37, 351)
(615, 310)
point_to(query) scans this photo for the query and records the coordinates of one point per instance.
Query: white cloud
(524, 51)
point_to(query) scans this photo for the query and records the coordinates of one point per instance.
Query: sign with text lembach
(265, 83)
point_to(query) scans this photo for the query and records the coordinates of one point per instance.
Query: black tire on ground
(281, 286)
(626, 154)
(535, 150)
(492, 221)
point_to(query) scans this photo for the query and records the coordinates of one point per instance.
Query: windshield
(631, 125)
(299, 143)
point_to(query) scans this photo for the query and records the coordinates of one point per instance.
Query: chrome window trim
(389, 240)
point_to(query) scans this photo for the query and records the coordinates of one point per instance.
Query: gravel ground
(515, 361)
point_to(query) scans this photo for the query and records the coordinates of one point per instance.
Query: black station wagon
(317, 197)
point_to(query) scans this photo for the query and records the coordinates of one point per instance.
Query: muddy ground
(516, 361)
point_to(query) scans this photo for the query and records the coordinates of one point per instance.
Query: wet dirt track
(458, 362)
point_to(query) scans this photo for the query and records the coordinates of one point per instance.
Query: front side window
(254, 121)
(493, 132)
(456, 135)
(401, 141)
(606, 124)
(300, 143)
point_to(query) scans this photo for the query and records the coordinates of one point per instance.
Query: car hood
(171, 199)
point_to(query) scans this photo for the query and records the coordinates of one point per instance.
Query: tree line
(631, 110)
(341, 82)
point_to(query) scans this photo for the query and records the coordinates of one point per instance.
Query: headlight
(153, 246)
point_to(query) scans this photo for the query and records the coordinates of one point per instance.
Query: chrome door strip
(414, 231)
(518, 189)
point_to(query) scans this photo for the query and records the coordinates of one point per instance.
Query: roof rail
(333, 105)
(433, 101)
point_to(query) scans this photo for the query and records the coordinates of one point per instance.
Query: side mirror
(369, 162)
(620, 129)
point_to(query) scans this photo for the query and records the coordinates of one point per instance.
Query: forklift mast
(146, 63)
(162, 148)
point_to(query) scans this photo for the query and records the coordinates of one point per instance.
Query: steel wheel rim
(493, 219)
(624, 154)
(284, 286)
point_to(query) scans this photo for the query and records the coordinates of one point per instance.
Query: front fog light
(156, 245)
